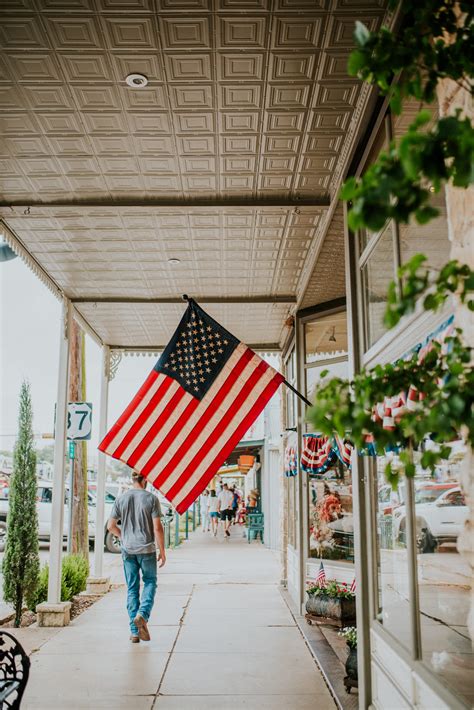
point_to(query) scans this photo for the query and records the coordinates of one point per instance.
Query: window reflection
(393, 603)
(444, 579)
(377, 273)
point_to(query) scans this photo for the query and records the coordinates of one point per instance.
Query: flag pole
(302, 397)
(187, 299)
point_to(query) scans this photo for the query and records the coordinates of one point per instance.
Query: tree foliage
(434, 43)
(21, 562)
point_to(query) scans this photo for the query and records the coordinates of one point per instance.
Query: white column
(100, 511)
(60, 453)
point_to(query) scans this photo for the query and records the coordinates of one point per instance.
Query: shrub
(75, 570)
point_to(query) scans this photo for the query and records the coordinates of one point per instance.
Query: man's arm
(160, 540)
(113, 527)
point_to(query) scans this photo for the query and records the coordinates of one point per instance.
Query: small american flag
(353, 585)
(321, 578)
(199, 400)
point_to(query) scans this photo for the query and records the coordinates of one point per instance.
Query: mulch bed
(78, 604)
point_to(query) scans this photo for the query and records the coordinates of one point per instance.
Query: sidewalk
(222, 637)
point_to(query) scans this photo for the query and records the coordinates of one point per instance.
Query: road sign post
(72, 456)
(79, 428)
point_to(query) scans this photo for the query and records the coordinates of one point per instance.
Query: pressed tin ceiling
(227, 160)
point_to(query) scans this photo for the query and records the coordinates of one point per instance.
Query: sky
(29, 349)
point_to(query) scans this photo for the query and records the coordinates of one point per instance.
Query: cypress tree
(21, 562)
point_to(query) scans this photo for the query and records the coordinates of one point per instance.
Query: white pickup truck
(44, 499)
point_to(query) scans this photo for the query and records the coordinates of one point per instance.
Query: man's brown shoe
(134, 639)
(142, 627)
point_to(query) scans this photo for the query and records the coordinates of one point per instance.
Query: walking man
(225, 499)
(140, 533)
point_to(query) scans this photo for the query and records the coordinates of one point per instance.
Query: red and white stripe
(179, 442)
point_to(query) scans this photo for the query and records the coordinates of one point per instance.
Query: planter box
(341, 610)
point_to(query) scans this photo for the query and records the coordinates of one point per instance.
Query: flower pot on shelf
(338, 609)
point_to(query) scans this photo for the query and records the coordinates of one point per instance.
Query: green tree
(21, 563)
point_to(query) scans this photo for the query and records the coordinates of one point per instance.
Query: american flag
(353, 585)
(201, 397)
(321, 578)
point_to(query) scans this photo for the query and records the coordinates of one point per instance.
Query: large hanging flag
(201, 397)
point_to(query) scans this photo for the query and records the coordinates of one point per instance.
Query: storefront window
(330, 525)
(393, 602)
(444, 578)
(377, 273)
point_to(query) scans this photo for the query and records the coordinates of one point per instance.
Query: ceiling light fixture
(174, 261)
(332, 337)
(136, 81)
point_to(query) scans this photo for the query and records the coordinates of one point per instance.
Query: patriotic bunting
(291, 462)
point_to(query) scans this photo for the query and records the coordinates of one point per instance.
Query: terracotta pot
(341, 610)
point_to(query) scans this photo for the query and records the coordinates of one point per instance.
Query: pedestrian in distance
(204, 503)
(235, 503)
(140, 533)
(214, 512)
(225, 499)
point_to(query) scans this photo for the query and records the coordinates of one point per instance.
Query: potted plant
(351, 679)
(333, 600)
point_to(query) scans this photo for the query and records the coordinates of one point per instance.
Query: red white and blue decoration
(291, 462)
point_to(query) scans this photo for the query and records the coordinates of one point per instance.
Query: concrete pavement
(222, 637)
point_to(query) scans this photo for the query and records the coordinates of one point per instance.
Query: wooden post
(79, 542)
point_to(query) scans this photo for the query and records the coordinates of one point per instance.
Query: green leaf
(356, 62)
(425, 214)
(348, 190)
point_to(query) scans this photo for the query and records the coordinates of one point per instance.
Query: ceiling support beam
(200, 299)
(150, 349)
(182, 204)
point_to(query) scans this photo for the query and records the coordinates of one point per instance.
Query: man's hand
(161, 557)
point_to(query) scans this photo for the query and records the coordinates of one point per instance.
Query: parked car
(44, 499)
(441, 512)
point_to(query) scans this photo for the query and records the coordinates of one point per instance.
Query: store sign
(79, 421)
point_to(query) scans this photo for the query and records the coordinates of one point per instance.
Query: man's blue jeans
(133, 565)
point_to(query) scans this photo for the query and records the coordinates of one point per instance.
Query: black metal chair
(14, 671)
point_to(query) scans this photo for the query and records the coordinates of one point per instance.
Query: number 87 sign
(79, 420)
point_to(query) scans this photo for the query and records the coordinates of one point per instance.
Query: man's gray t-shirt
(136, 509)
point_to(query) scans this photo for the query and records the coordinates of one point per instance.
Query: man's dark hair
(137, 477)
(213, 493)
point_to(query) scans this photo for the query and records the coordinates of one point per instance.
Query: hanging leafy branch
(400, 184)
(416, 280)
(432, 44)
(444, 382)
